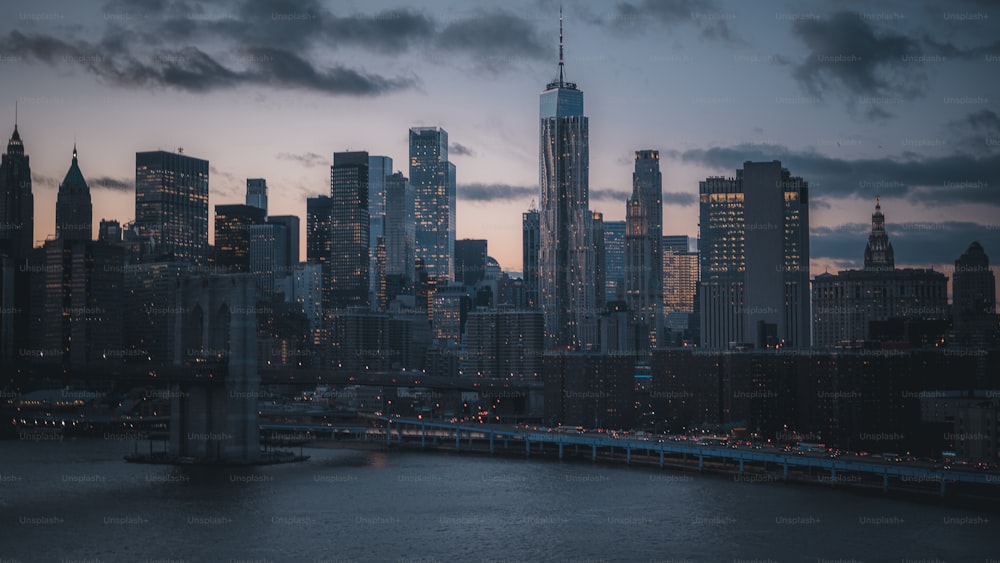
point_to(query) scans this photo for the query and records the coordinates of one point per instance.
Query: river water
(77, 500)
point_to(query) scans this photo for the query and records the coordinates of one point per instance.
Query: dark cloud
(683, 199)
(495, 40)
(952, 51)
(460, 149)
(493, 192)
(309, 159)
(977, 132)
(912, 243)
(115, 184)
(705, 14)
(606, 194)
(41, 180)
(194, 70)
(956, 178)
(849, 56)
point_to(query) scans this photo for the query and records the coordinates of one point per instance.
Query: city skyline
(843, 90)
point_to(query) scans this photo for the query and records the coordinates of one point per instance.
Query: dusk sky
(891, 98)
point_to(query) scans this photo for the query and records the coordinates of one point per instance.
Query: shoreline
(968, 497)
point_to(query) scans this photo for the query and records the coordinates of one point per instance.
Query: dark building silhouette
(74, 211)
(529, 256)
(503, 342)
(590, 389)
(232, 235)
(17, 223)
(83, 289)
(974, 300)
(470, 261)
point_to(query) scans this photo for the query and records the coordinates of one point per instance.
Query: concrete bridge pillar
(593, 453)
(491, 443)
(560, 450)
(786, 471)
(628, 455)
(661, 459)
(741, 466)
(701, 462)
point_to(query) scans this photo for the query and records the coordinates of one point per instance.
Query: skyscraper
(291, 253)
(232, 235)
(257, 193)
(399, 236)
(643, 243)
(83, 289)
(566, 255)
(74, 211)
(433, 180)
(17, 204)
(171, 205)
(529, 256)
(17, 212)
(268, 260)
(614, 261)
(754, 258)
(379, 167)
(470, 261)
(349, 223)
(974, 291)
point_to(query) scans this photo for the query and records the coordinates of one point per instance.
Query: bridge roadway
(490, 433)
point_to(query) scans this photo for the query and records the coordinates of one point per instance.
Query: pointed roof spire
(74, 151)
(561, 75)
(878, 204)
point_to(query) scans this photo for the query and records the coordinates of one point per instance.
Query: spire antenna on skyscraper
(561, 74)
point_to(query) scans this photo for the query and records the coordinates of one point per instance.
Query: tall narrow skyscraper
(379, 167)
(399, 236)
(614, 261)
(171, 205)
(529, 256)
(349, 263)
(755, 258)
(433, 180)
(643, 244)
(17, 204)
(17, 212)
(319, 242)
(565, 262)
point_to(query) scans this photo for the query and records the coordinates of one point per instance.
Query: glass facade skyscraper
(349, 224)
(529, 256)
(614, 261)
(171, 205)
(566, 256)
(433, 180)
